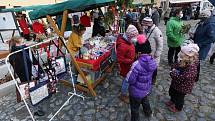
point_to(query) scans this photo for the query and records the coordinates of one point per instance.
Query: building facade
(18, 3)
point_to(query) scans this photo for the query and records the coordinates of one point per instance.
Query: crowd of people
(139, 50)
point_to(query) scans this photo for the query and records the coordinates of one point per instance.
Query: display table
(93, 64)
(96, 69)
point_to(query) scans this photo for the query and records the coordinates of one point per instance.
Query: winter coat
(173, 31)
(156, 42)
(184, 78)
(125, 53)
(204, 36)
(140, 76)
(23, 25)
(98, 28)
(156, 17)
(74, 42)
(205, 32)
(38, 28)
(17, 62)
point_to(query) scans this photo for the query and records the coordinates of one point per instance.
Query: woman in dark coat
(98, 28)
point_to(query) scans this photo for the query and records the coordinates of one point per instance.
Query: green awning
(25, 8)
(70, 5)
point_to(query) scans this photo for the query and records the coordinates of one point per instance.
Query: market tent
(212, 2)
(70, 5)
(183, 1)
(25, 8)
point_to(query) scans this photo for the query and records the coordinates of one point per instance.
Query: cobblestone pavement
(199, 106)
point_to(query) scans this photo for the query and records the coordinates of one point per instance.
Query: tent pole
(63, 25)
(72, 58)
(79, 69)
(51, 21)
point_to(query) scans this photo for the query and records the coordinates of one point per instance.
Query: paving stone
(201, 115)
(89, 111)
(98, 115)
(209, 89)
(52, 105)
(65, 117)
(121, 116)
(71, 112)
(159, 116)
(59, 102)
(170, 117)
(204, 109)
(160, 88)
(77, 118)
(88, 118)
(105, 113)
(188, 109)
(193, 118)
(113, 116)
(181, 116)
(103, 119)
(210, 96)
(67, 108)
(212, 116)
(204, 101)
(76, 106)
(112, 109)
(201, 119)
(78, 112)
(90, 104)
(153, 119)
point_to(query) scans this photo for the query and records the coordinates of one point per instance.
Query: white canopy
(184, 1)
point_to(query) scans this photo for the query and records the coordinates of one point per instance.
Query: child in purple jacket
(140, 83)
(183, 75)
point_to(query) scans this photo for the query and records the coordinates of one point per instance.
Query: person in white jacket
(155, 37)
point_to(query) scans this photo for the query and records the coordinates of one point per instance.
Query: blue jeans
(124, 87)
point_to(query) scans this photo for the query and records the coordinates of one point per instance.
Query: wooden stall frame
(60, 33)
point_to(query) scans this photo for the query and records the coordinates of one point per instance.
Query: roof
(70, 5)
(25, 8)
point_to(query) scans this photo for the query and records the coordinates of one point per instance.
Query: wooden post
(63, 25)
(56, 30)
(80, 71)
(72, 58)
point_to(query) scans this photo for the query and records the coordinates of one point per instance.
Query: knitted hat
(144, 48)
(141, 39)
(147, 20)
(131, 32)
(190, 49)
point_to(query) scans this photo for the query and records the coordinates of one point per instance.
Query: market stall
(65, 8)
(95, 58)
